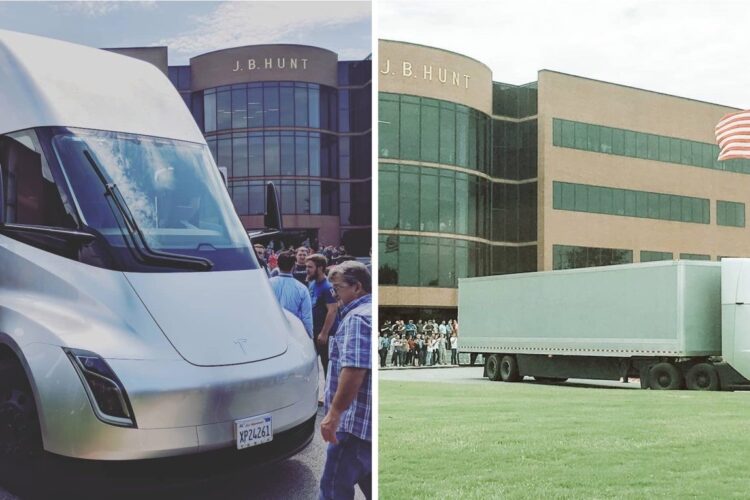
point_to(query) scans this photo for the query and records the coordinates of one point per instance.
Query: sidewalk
(463, 361)
(417, 367)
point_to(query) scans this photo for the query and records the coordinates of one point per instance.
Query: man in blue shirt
(292, 295)
(411, 329)
(348, 399)
(324, 305)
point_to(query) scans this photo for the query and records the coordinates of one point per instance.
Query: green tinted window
(462, 137)
(408, 201)
(556, 132)
(626, 202)
(694, 256)
(618, 141)
(423, 129)
(581, 135)
(651, 256)
(653, 147)
(409, 122)
(388, 198)
(388, 131)
(593, 143)
(428, 262)
(447, 203)
(439, 262)
(605, 139)
(408, 260)
(446, 263)
(429, 133)
(447, 135)
(606, 199)
(630, 143)
(428, 200)
(599, 138)
(641, 145)
(573, 257)
(664, 149)
(730, 213)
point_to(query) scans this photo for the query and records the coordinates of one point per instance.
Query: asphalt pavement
(473, 375)
(295, 478)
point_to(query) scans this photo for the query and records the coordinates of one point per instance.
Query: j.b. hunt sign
(428, 72)
(271, 63)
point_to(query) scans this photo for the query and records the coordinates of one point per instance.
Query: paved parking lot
(294, 478)
(473, 375)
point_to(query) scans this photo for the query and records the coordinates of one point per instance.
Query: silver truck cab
(135, 321)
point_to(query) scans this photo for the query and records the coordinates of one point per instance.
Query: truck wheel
(665, 376)
(509, 369)
(493, 367)
(20, 438)
(702, 377)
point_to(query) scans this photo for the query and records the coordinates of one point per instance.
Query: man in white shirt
(454, 349)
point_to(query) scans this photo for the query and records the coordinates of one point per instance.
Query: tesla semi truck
(135, 320)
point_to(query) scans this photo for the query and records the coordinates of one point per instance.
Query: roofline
(437, 48)
(641, 89)
(141, 47)
(266, 45)
(513, 84)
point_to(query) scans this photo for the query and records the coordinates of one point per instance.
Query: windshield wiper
(55, 232)
(143, 251)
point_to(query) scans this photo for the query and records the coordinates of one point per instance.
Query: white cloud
(98, 8)
(690, 48)
(234, 24)
(88, 9)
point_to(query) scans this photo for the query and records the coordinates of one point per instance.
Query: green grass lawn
(525, 440)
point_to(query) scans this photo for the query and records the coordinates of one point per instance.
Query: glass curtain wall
(452, 202)
(275, 131)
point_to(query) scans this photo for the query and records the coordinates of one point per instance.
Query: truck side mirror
(272, 218)
(224, 171)
(3, 167)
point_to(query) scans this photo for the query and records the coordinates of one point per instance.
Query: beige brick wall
(590, 101)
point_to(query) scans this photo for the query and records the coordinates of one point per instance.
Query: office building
(478, 177)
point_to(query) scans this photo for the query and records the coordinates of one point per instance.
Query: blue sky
(192, 28)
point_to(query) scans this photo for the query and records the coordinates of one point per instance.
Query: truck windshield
(172, 189)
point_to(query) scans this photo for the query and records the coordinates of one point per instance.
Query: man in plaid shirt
(348, 398)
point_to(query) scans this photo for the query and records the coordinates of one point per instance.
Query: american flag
(733, 136)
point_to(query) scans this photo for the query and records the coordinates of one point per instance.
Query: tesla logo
(241, 344)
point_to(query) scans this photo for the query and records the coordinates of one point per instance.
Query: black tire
(20, 438)
(493, 367)
(702, 377)
(551, 380)
(665, 377)
(509, 369)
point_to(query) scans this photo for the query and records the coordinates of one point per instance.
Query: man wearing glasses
(348, 396)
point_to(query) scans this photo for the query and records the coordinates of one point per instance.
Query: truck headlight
(106, 392)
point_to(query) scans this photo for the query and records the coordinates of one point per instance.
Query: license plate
(253, 431)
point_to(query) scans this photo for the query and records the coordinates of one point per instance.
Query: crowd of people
(424, 343)
(333, 300)
(268, 255)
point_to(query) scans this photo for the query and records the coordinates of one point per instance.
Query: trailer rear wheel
(493, 367)
(702, 377)
(509, 369)
(665, 376)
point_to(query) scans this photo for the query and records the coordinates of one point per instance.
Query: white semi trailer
(673, 324)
